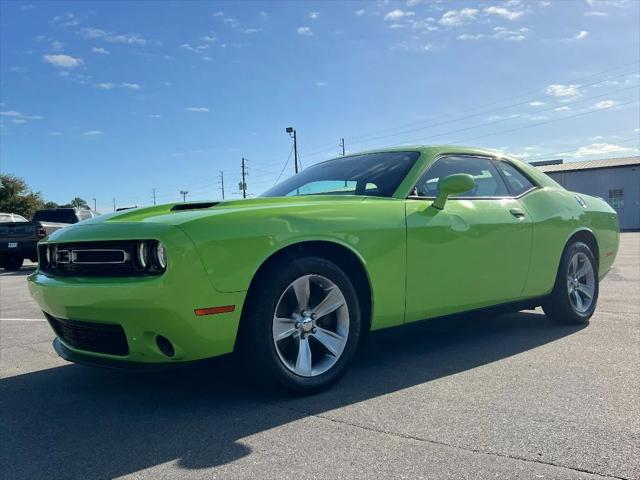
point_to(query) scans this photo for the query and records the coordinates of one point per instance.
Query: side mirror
(452, 185)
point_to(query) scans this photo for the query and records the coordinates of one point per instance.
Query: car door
(475, 251)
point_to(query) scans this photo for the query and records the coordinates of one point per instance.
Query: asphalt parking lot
(510, 396)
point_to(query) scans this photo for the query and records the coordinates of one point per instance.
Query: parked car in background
(18, 240)
(53, 219)
(292, 280)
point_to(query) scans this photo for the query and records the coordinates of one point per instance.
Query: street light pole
(292, 133)
(184, 195)
(94, 205)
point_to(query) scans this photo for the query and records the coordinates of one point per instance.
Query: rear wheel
(575, 294)
(12, 263)
(302, 324)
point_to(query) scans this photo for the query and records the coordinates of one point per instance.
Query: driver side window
(488, 180)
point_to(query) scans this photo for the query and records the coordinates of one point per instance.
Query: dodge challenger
(292, 280)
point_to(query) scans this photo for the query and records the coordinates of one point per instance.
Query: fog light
(160, 256)
(142, 255)
(165, 346)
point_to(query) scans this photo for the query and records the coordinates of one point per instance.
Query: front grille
(92, 337)
(93, 259)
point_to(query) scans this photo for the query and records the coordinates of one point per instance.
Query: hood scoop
(193, 206)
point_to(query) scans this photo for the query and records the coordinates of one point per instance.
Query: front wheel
(302, 324)
(575, 294)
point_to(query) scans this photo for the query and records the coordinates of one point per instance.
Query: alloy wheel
(581, 282)
(310, 325)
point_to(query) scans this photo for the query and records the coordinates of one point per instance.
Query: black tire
(256, 343)
(558, 306)
(12, 263)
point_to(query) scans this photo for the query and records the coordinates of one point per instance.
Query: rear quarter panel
(557, 216)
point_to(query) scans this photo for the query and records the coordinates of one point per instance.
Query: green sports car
(294, 279)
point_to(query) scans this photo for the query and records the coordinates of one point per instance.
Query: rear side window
(518, 183)
(488, 180)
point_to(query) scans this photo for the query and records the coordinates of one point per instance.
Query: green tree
(51, 205)
(17, 197)
(78, 203)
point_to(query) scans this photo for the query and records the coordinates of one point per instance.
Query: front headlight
(160, 256)
(142, 255)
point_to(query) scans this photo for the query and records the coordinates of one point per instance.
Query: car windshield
(373, 174)
(55, 216)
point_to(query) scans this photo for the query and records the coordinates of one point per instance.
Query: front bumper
(145, 307)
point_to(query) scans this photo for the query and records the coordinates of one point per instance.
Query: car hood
(180, 213)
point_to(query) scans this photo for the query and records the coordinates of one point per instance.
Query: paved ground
(504, 396)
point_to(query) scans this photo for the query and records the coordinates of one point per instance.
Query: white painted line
(22, 320)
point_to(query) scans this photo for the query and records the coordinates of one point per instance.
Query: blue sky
(114, 99)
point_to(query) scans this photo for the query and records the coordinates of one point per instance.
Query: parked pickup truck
(53, 219)
(18, 240)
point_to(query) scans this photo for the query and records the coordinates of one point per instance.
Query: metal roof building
(617, 180)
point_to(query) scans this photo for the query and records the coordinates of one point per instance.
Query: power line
(546, 122)
(493, 122)
(370, 137)
(284, 166)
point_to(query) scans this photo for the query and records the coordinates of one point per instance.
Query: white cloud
(155, 115)
(503, 12)
(55, 134)
(413, 3)
(126, 38)
(558, 90)
(314, 15)
(454, 18)
(471, 36)
(594, 13)
(561, 109)
(321, 84)
(93, 133)
(57, 46)
(581, 35)
(397, 15)
(502, 33)
(18, 120)
(62, 61)
(100, 51)
(604, 104)
(601, 149)
(198, 109)
(66, 20)
(536, 104)
(360, 12)
(110, 85)
(305, 31)
(209, 38)
(20, 116)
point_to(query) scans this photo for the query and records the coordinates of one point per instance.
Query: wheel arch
(586, 236)
(344, 257)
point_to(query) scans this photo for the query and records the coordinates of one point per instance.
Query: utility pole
(292, 133)
(154, 196)
(342, 145)
(94, 205)
(184, 195)
(243, 184)
(222, 183)
(114, 204)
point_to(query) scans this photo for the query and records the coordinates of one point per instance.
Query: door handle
(516, 212)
